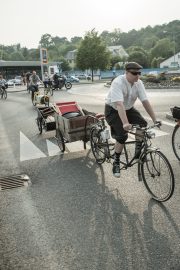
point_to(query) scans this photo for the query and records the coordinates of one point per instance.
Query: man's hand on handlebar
(127, 127)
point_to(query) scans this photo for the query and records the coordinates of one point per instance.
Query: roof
(23, 63)
(117, 50)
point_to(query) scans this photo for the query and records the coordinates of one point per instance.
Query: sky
(25, 22)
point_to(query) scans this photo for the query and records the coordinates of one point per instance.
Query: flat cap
(132, 65)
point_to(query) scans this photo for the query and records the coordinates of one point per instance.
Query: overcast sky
(25, 22)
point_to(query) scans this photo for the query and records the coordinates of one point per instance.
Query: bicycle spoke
(158, 176)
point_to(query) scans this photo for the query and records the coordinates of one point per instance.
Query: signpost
(43, 58)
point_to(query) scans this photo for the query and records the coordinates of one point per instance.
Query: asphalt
(23, 88)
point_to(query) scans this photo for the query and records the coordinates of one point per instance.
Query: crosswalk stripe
(53, 149)
(76, 146)
(28, 150)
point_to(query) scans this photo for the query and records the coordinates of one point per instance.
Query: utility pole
(41, 59)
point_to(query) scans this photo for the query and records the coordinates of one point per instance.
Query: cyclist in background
(3, 82)
(34, 79)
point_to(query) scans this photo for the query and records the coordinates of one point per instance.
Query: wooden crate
(73, 129)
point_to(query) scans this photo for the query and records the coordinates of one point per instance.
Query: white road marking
(163, 122)
(28, 150)
(53, 149)
(76, 146)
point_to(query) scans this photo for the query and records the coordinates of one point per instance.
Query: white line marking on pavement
(53, 149)
(76, 146)
(163, 122)
(28, 150)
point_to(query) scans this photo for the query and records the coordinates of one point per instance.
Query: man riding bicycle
(120, 113)
(34, 79)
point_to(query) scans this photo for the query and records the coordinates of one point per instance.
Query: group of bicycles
(153, 167)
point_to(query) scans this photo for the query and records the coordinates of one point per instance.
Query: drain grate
(14, 181)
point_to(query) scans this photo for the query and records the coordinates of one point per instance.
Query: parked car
(10, 82)
(73, 79)
(84, 77)
(14, 81)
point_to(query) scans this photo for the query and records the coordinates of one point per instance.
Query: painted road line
(163, 122)
(53, 149)
(76, 146)
(28, 150)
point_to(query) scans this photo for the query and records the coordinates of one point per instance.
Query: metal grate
(14, 181)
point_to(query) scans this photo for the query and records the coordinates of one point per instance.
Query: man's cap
(132, 65)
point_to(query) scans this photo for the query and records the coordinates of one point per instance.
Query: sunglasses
(135, 73)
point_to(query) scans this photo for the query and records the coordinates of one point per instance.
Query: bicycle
(154, 168)
(48, 89)
(176, 132)
(3, 92)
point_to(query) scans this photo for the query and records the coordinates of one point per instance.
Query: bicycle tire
(151, 168)
(176, 141)
(60, 140)
(97, 146)
(68, 85)
(51, 91)
(5, 94)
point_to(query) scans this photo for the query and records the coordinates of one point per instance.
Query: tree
(92, 53)
(17, 56)
(46, 41)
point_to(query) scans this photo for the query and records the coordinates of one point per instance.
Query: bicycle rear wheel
(60, 140)
(176, 141)
(68, 85)
(157, 175)
(4, 94)
(98, 146)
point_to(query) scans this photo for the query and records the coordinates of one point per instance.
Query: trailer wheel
(60, 140)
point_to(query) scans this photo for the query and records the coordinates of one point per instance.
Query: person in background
(120, 113)
(34, 79)
(3, 82)
(46, 80)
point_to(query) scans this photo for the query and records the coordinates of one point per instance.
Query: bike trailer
(71, 121)
(47, 115)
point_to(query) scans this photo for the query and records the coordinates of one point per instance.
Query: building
(118, 51)
(10, 69)
(71, 58)
(171, 62)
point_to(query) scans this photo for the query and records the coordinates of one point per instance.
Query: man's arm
(123, 116)
(149, 110)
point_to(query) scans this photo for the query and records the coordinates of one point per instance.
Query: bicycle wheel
(39, 124)
(68, 85)
(4, 94)
(98, 146)
(51, 91)
(176, 141)
(157, 175)
(60, 140)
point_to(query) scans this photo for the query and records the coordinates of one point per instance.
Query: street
(75, 215)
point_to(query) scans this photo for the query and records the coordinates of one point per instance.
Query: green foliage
(148, 46)
(92, 53)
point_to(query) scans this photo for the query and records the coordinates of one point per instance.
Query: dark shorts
(114, 121)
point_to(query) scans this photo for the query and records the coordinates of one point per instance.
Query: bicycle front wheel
(157, 175)
(68, 85)
(98, 146)
(176, 141)
(4, 94)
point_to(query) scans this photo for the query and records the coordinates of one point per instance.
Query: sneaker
(116, 170)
